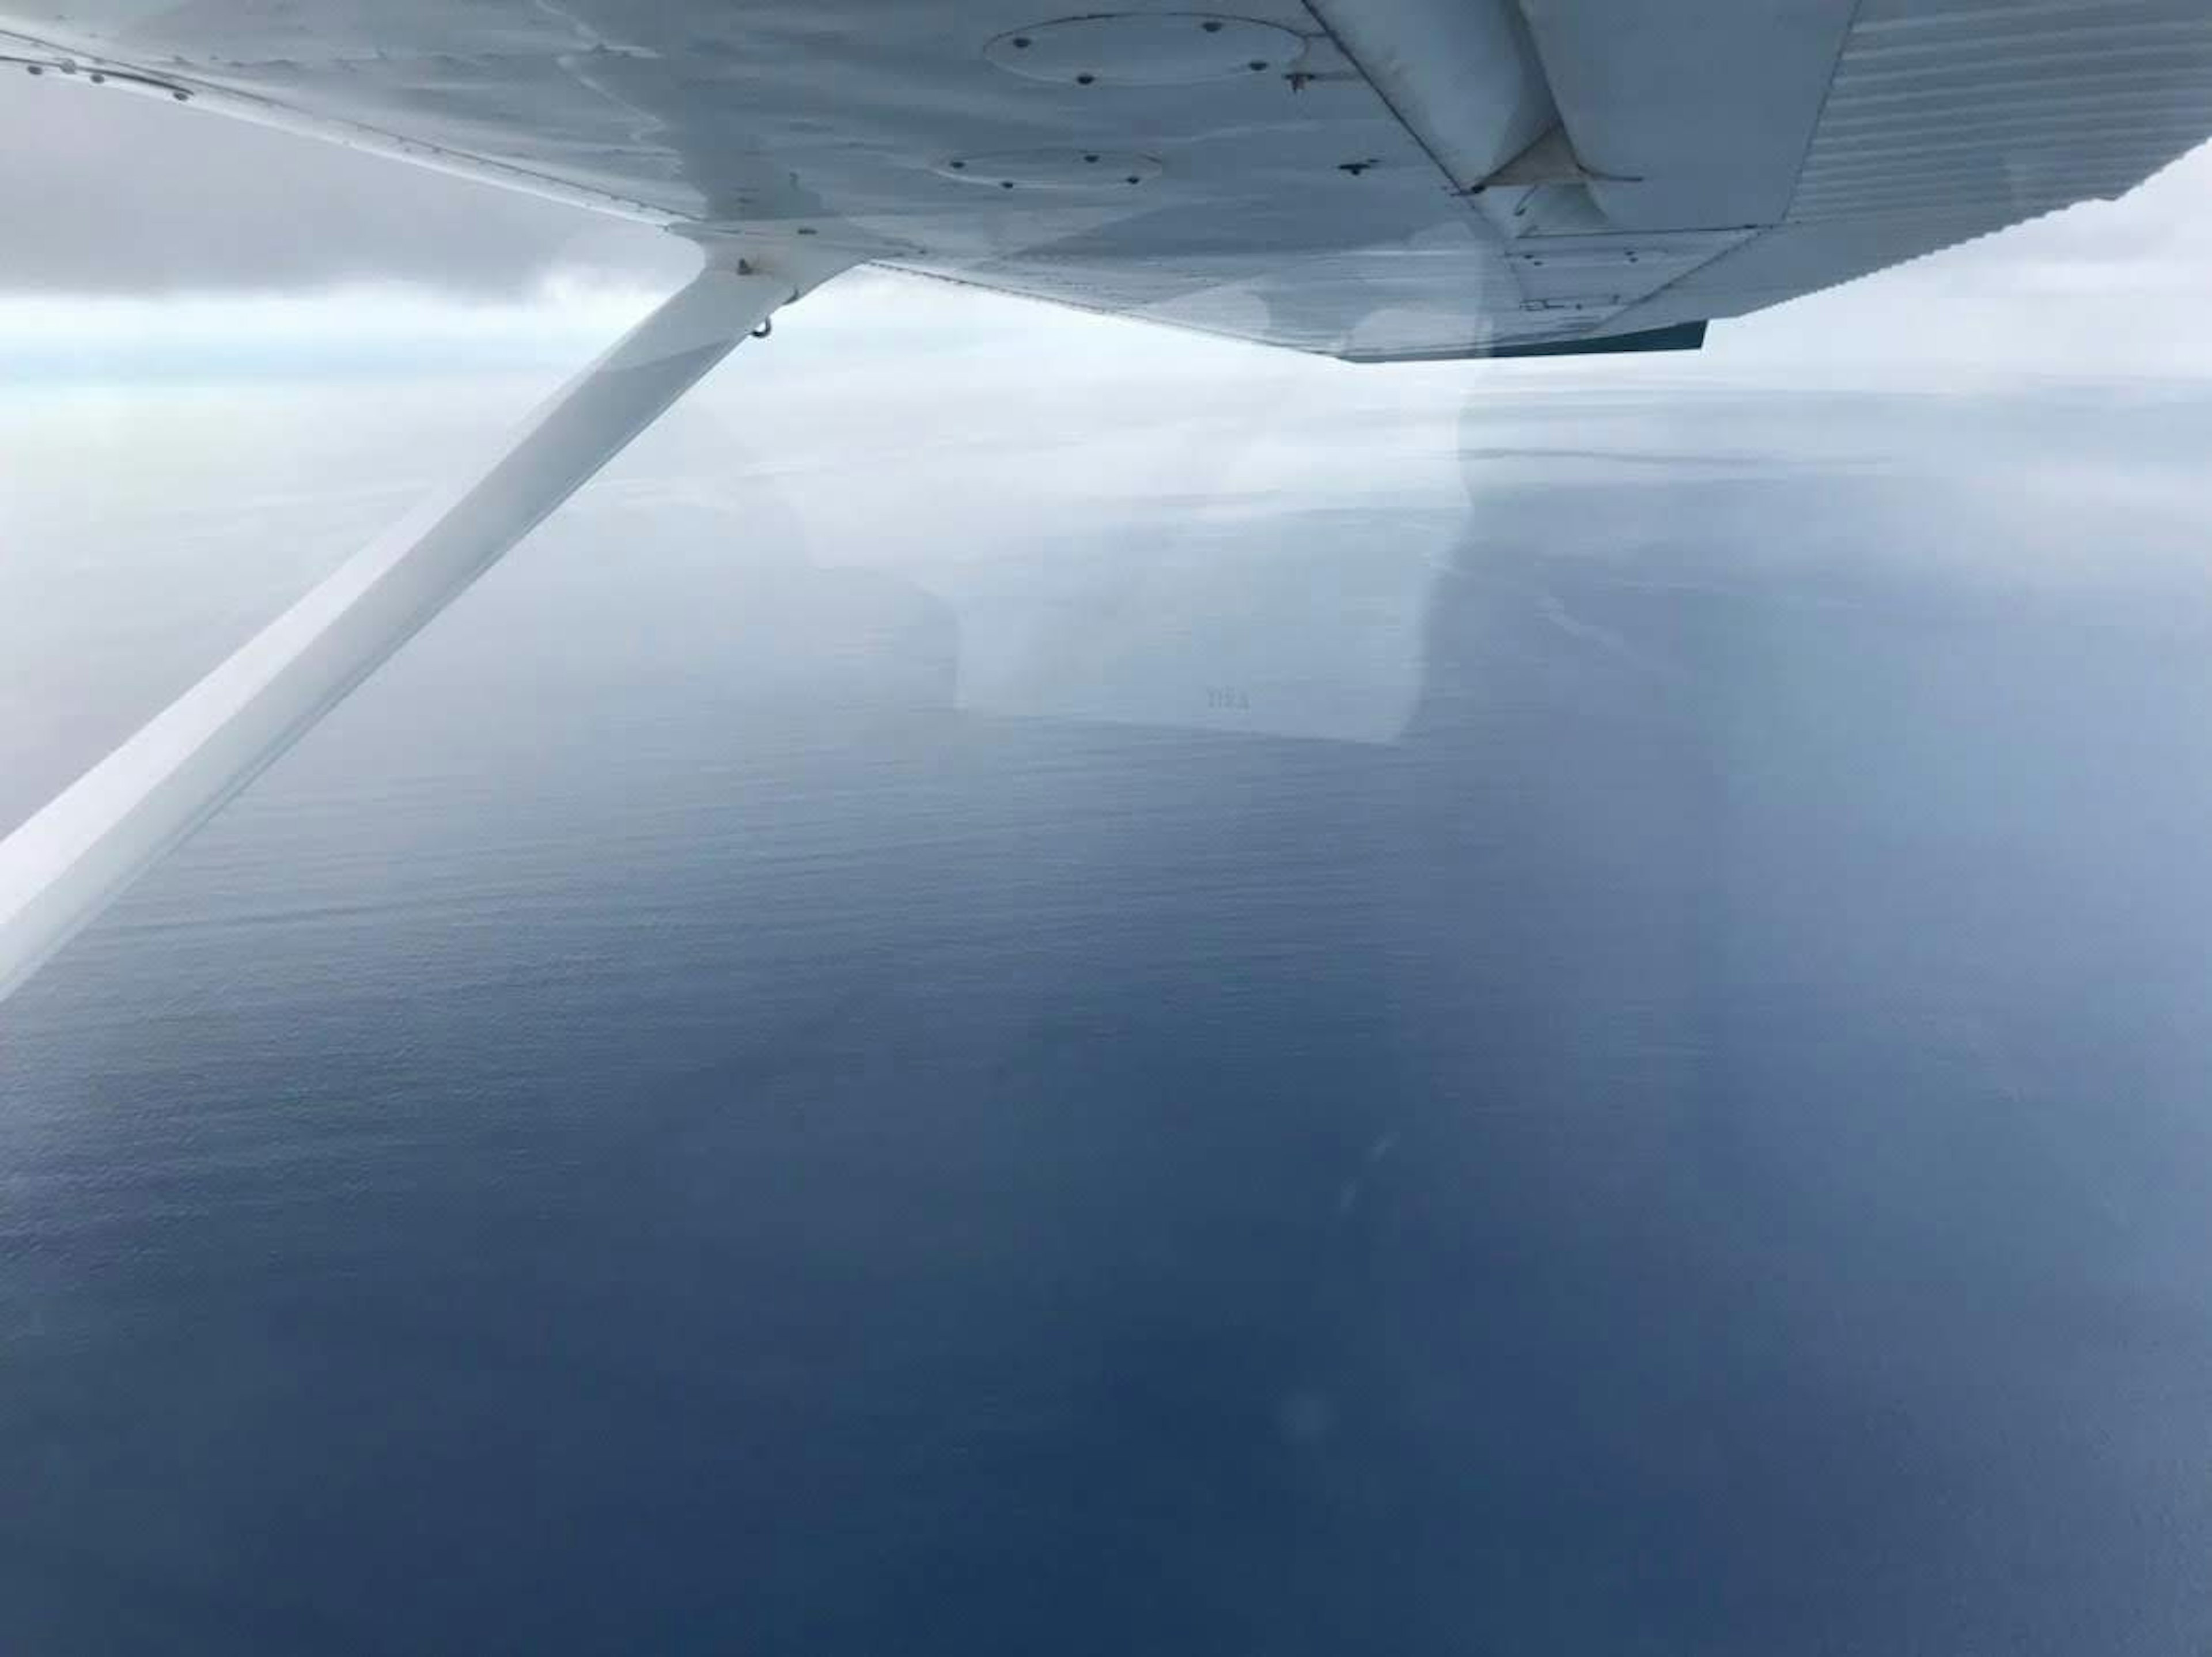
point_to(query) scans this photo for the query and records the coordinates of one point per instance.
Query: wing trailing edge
(1680, 337)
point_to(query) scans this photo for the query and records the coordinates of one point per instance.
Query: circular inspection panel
(1144, 49)
(1054, 169)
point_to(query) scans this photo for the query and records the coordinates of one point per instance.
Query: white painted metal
(1943, 121)
(58, 870)
(1108, 170)
(1696, 117)
(1461, 75)
(1742, 151)
(1143, 49)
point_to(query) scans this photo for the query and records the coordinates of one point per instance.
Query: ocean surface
(1577, 1020)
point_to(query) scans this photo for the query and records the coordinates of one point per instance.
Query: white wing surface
(1378, 179)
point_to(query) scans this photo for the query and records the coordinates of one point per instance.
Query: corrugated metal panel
(1950, 120)
(2005, 111)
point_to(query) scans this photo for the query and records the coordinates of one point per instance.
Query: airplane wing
(1375, 180)
(1382, 180)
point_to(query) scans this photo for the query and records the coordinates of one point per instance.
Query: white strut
(63, 866)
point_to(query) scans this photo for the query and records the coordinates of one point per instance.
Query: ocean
(1576, 1020)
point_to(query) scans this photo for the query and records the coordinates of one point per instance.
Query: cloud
(2156, 240)
(111, 193)
(2102, 287)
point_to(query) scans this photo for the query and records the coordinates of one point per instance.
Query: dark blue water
(1705, 1144)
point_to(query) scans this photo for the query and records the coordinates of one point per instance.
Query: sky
(132, 199)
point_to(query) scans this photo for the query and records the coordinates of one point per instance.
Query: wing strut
(63, 866)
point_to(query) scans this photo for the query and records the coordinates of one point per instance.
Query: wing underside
(1375, 179)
